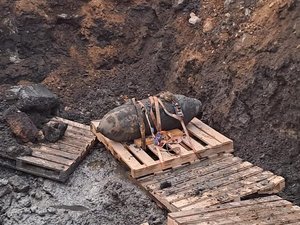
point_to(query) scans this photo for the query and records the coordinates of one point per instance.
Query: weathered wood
(220, 181)
(57, 160)
(266, 210)
(54, 151)
(52, 158)
(141, 155)
(178, 154)
(41, 163)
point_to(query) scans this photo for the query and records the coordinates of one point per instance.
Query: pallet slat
(217, 182)
(42, 163)
(266, 210)
(179, 154)
(57, 160)
(52, 158)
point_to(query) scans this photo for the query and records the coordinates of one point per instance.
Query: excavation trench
(241, 60)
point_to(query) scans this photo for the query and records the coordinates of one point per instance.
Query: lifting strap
(140, 122)
(179, 117)
(153, 118)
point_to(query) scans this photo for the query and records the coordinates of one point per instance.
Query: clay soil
(241, 60)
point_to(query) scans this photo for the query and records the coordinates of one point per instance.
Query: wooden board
(266, 210)
(56, 160)
(214, 181)
(206, 141)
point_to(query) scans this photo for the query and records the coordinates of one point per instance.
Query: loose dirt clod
(21, 125)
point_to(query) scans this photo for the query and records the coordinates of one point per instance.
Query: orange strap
(153, 118)
(141, 122)
(181, 122)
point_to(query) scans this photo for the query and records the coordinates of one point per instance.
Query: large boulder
(33, 97)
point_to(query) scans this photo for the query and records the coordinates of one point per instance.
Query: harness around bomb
(161, 138)
(153, 116)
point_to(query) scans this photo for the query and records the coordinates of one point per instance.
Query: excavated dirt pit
(241, 60)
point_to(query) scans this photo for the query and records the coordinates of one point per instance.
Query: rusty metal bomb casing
(121, 124)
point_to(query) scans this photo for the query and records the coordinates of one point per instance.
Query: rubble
(54, 131)
(19, 184)
(21, 125)
(194, 19)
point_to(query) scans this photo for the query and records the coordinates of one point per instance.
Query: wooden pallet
(206, 141)
(56, 160)
(213, 181)
(266, 210)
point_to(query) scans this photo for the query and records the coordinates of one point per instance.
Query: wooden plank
(165, 155)
(183, 180)
(227, 193)
(61, 146)
(120, 152)
(183, 170)
(226, 206)
(72, 123)
(84, 132)
(244, 171)
(210, 172)
(207, 129)
(42, 163)
(141, 155)
(198, 147)
(55, 152)
(52, 158)
(241, 214)
(272, 215)
(195, 131)
(75, 142)
(138, 142)
(77, 136)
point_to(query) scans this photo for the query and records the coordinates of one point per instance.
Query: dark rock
(34, 97)
(20, 124)
(4, 187)
(25, 202)
(53, 131)
(165, 184)
(19, 184)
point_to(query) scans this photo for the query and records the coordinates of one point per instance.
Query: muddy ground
(241, 60)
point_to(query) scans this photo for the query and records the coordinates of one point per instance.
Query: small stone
(227, 3)
(19, 184)
(38, 195)
(33, 209)
(52, 210)
(41, 212)
(194, 19)
(25, 202)
(247, 12)
(208, 25)
(3, 182)
(4, 188)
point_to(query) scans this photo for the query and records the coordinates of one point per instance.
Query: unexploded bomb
(122, 123)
